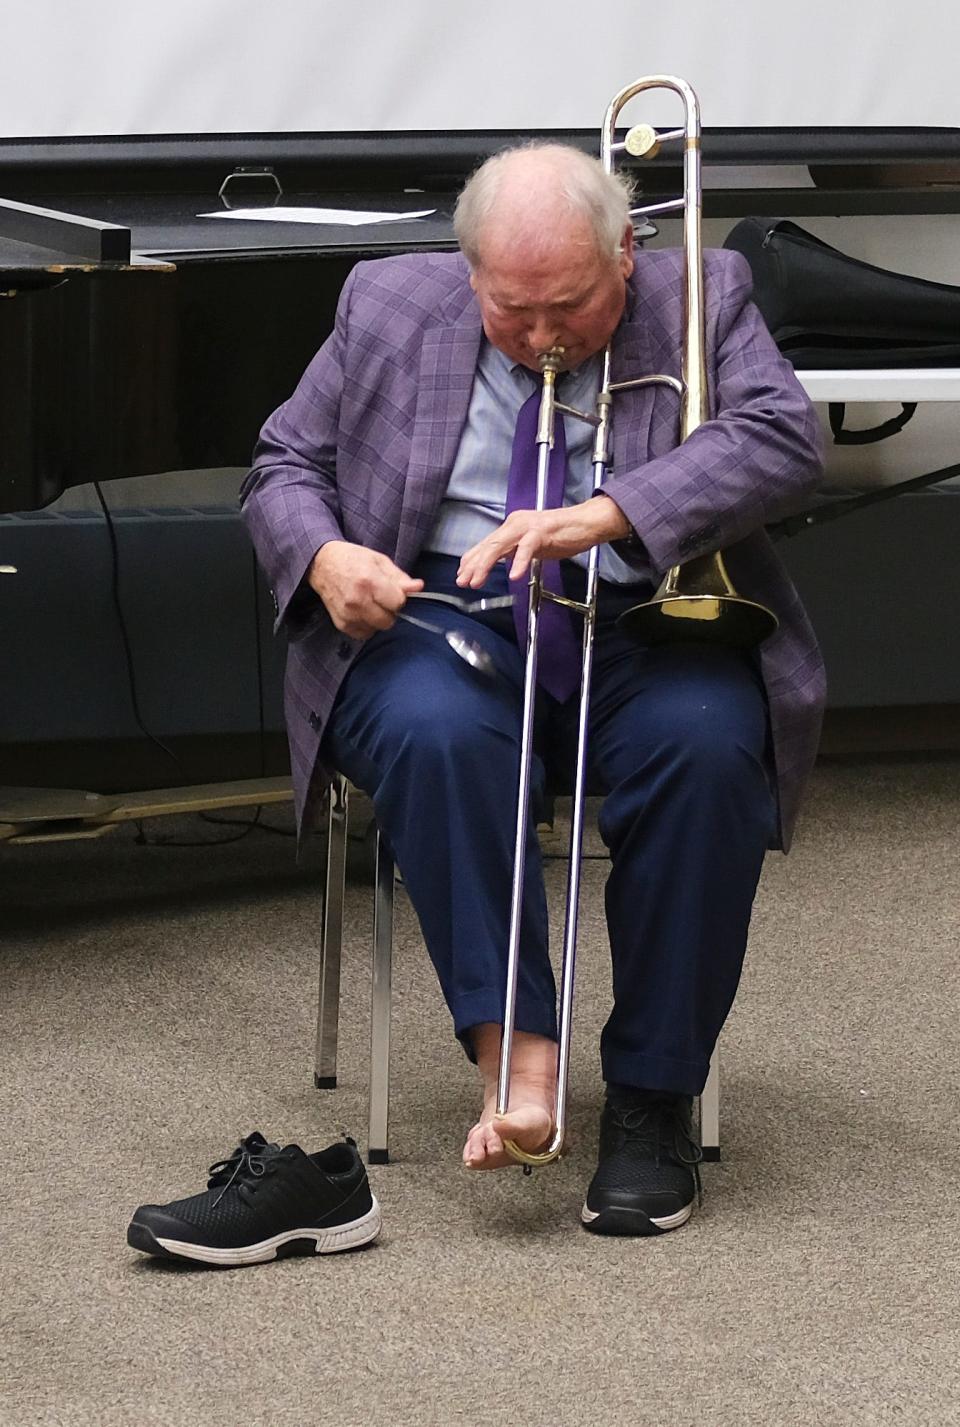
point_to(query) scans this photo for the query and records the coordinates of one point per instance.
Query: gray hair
(582, 186)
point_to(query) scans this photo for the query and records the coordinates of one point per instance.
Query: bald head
(549, 241)
(542, 194)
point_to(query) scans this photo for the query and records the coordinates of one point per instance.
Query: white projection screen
(246, 66)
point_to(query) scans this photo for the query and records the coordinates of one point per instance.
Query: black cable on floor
(124, 634)
(247, 824)
(250, 824)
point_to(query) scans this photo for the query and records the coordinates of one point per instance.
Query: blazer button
(315, 722)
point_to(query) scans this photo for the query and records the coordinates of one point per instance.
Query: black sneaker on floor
(647, 1177)
(263, 1203)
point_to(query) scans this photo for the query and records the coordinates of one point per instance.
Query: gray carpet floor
(158, 1003)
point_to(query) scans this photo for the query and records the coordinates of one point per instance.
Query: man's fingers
(524, 536)
(525, 552)
(471, 574)
(355, 631)
(477, 563)
(391, 586)
(370, 621)
(386, 595)
(366, 609)
(362, 589)
(475, 575)
(384, 588)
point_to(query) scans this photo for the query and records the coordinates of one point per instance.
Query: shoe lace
(649, 1127)
(250, 1161)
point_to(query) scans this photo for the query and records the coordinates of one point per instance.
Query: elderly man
(390, 471)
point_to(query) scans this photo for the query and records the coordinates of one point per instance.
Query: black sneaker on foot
(263, 1203)
(647, 1177)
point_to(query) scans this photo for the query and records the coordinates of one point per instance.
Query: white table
(899, 384)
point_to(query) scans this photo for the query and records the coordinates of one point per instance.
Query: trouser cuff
(484, 1006)
(655, 1072)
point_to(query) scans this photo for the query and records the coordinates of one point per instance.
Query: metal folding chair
(325, 1072)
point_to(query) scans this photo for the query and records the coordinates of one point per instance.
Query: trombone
(695, 601)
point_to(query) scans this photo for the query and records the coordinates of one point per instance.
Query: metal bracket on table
(248, 174)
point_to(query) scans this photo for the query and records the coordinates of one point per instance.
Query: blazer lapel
(632, 410)
(640, 415)
(448, 360)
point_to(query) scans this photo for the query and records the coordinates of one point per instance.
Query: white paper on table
(348, 216)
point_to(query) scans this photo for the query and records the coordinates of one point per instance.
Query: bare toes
(484, 1149)
(473, 1150)
(492, 1142)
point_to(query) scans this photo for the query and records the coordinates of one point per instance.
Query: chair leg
(377, 1146)
(710, 1111)
(331, 939)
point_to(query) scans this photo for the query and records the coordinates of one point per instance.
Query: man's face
(571, 296)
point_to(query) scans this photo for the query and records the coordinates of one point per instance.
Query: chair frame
(325, 1065)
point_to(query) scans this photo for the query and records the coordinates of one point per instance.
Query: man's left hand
(543, 535)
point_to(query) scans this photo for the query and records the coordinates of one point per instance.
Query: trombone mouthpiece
(550, 361)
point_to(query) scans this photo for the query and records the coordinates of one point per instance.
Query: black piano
(138, 337)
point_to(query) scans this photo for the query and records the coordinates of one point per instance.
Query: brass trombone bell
(697, 602)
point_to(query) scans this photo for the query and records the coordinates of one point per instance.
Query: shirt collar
(518, 369)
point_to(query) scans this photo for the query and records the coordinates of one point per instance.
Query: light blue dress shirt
(476, 494)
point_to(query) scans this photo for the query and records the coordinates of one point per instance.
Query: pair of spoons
(470, 650)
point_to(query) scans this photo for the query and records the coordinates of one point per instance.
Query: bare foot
(528, 1123)
(529, 1119)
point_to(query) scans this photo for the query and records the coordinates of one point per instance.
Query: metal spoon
(480, 606)
(469, 649)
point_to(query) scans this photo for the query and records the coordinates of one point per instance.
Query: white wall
(196, 66)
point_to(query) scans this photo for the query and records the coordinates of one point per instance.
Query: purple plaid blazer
(363, 450)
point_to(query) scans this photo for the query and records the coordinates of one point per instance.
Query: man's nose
(544, 334)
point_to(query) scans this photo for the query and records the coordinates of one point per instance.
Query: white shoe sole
(326, 1241)
(663, 1224)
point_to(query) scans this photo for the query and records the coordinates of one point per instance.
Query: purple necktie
(559, 653)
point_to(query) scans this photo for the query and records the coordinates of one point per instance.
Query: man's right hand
(362, 589)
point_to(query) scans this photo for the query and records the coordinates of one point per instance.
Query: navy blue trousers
(678, 743)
